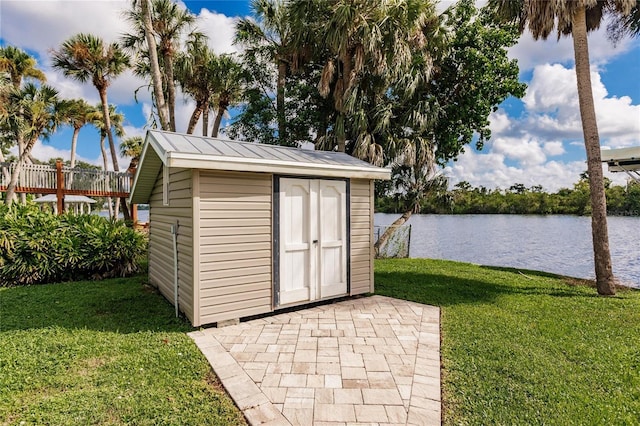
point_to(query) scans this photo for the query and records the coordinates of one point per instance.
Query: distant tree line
(519, 199)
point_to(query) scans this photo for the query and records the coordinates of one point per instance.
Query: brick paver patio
(370, 360)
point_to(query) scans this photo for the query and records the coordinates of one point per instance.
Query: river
(558, 244)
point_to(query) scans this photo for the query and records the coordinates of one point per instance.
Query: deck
(61, 180)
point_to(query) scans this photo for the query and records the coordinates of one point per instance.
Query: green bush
(40, 247)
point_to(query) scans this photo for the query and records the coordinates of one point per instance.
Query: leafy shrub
(40, 247)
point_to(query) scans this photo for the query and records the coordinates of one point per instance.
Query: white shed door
(313, 239)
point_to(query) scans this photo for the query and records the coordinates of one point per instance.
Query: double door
(313, 240)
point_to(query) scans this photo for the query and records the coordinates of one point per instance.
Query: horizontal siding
(161, 240)
(361, 236)
(235, 245)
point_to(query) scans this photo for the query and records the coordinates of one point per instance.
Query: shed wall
(361, 236)
(235, 244)
(180, 210)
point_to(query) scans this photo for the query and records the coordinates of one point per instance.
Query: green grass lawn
(526, 349)
(516, 349)
(108, 352)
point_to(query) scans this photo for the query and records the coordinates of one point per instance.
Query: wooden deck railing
(60, 180)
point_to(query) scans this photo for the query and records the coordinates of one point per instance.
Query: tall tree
(86, 57)
(195, 71)
(170, 23)
(366, 46)
(77, 113)
(19, 65)
(270, 35)
(577, 18)
(115, 122)
(228, 85)
(38, 118)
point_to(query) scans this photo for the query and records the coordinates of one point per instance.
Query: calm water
(559, 244)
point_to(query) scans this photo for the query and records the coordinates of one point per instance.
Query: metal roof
(199, 152)
(622, 159)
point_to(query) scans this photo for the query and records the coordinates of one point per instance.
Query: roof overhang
(154, 156)
(622, 159)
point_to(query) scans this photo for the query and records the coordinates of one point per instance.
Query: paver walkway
(371, 360)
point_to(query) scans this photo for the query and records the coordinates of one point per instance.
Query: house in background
(240, 229)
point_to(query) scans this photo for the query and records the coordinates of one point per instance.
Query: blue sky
(536, 140)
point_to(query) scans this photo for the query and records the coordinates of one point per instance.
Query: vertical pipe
(174, 233)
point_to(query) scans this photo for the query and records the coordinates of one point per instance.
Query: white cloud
(220, 29)
(530, 52)
(553, 148)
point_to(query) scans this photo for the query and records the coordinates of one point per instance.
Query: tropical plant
(170, 23)
(115, 120)
(86, 57)
(17, 64)
(195, 71)
(366, 46)
(40, 247)
(577, 18)
(228, 84)
(77, 113)
(33, 114)
(414, 176)
(270, 35)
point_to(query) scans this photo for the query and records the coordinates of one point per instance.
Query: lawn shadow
(122, 305)
(441, 289)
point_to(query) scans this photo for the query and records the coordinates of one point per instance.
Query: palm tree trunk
(105, 163)
(216, 124)
(390, 230)
(74, 145)
(282, 80)
(602, 258)
(13, 181)
(195, 116)
(205, 118)
(171, 91)
(156, 75)
(112, 147)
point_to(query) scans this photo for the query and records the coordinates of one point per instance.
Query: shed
(240, 229)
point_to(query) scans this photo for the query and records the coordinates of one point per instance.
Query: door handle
(315, 241)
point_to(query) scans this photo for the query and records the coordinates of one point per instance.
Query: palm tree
(170, 23)
(414, 177)
(577, 18)
(18, 64)
(115, 121)
(271, 35)
(38, 117)
(86, 57)
(365, 45)
(228, 84)
(195, 71)
(132, 147)
(77, 113)
(141, 13)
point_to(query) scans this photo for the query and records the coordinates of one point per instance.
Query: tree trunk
(13, 181)
(74, 146)
(390, 230)
(205, 119)
(195, 116)
(171, 90)
(602, 258)
(280, 111)
(216, 124)
(112, 148)
(105, 163)
(156, 75)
